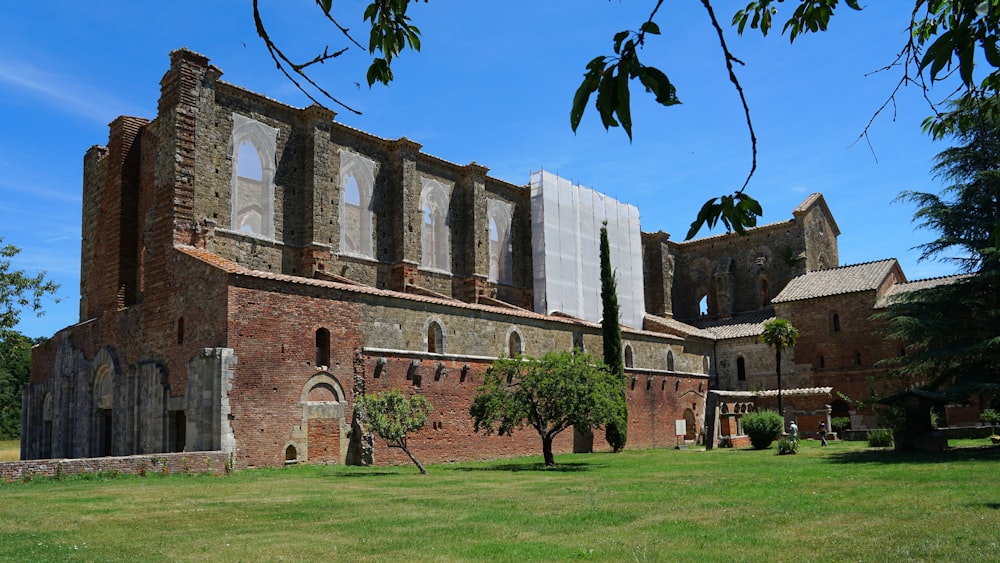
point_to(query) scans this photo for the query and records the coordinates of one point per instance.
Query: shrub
(763, 427)
(840, 423)
(991, 417)
(788, 446)
(881, 438)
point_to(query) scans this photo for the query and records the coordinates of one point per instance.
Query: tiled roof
(915, 285)
(772, 392)
(738, 326)
(658, 324)
(231, 267)
(836, 281)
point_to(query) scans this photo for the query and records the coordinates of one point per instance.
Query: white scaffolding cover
(565, 240)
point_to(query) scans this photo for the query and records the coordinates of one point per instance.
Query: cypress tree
(615, 432)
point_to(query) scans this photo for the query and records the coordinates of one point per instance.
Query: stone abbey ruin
(248, 268)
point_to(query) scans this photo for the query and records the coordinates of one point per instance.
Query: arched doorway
(323, 411)
(690, 424)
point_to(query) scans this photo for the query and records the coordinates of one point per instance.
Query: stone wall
(214, 463)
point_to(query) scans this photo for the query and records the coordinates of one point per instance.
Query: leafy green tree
(945, 37)
(393, 416)
(19, 291)
(952, 331)
(616, 431)
(779, 334)
(560, 390)
(15, 371)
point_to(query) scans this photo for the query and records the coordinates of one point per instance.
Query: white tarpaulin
(565, 240)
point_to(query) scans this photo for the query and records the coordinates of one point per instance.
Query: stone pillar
(210, 376)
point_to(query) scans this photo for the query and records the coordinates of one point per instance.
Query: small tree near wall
(393, 416)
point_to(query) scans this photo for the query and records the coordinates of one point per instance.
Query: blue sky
(492, 84)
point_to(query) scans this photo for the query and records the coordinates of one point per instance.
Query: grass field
(840, 503)
(10, 450)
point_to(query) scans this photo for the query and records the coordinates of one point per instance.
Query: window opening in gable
(322, 347)
(435, 338)
(514, 348)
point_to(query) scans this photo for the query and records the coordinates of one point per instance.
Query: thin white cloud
(63, 92)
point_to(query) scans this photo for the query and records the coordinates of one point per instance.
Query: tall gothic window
(435, 242)
(741, 369)
(501, 261)
(357, 182)
(252, 150)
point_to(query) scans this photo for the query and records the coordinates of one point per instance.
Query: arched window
(705, 365)
(357, 181)
(252, 150)
(670, 360)
(857, 358)
(741, 369)
(250, 178)
(578, 341)
(322, 347)
(514, 348)
(836, 322)
(435, 241)
(628, 356)
(435, 338)
(501, 261)
(821, 361)
(703, 305)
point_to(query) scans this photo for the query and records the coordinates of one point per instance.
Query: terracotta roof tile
(915, 285)
(738, 326)
(231, 267)
(836, 281)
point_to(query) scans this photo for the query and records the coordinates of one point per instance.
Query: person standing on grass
(822, 433)
(793, 429)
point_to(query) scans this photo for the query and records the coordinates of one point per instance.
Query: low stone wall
(949, 433)
(187, 462)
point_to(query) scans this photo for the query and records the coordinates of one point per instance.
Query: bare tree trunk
(414, 460)
(550, 461)
(777, 364)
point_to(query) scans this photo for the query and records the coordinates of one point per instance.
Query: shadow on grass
(515, 467)
(339, 474)
(972, 453)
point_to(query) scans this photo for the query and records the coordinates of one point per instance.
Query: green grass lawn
(10, 450)
(840, 503)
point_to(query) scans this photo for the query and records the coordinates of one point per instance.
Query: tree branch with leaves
(945, 37)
